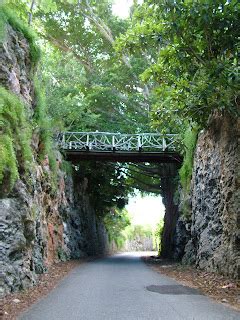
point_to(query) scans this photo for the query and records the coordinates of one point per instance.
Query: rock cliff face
(84, 233)
(39, 229)
(16, 67)
(38, 225)
(214, 243)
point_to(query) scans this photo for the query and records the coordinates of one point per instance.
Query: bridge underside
(76, 156)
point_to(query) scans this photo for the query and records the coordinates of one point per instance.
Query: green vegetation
(43, 125)
(157, 236)
(8, 163)
(133, 232)
(116, 222)
(66, 167)
(61, 254)
(7, 16)
(41, 120)
(189, 142)
(185, 173)
(107, 186)
(15, 150)
(120, 229)
(170, 65)
(193, 70)
(66, 105)
(16, 126)
(193, 46)
(139, 233)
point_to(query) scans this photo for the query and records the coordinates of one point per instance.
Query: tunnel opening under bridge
(107, 180)
(148, 162)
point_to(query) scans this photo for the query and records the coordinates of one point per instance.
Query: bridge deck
(117, 147)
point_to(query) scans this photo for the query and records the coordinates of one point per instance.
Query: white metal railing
(105, 141)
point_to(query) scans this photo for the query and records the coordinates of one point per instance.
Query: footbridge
(118, 147)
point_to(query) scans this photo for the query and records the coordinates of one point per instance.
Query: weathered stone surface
(37, 227)
(84, 233)
(215, 237)
(181, 237)
(15, 247)
(16, 66)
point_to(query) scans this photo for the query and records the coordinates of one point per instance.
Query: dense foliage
(101, 82)
(107, 186)
(167, 67)
(116, 222)
(15, 126)
(65, 82)
(139, 233)
(195, 67)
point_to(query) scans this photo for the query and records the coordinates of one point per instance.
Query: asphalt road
(123, 287)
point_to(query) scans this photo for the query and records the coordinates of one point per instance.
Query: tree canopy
(167, 67)
(195, 66)
(170, 64)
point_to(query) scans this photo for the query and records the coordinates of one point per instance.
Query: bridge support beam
(115, 156)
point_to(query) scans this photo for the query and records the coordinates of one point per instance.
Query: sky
(121, 7)
(147, 210)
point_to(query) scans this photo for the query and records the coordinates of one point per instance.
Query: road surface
(122, 287)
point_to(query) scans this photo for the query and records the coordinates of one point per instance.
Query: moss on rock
(190, 140)
(15, 149)
(7, 17)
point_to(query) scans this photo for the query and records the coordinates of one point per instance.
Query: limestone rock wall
(31, 234)
(84, 232)
(40, 225)
(214, 243)
(38, 229)
(16, 68)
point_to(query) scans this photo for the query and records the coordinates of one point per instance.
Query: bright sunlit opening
(146, 211)
(121, 8)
